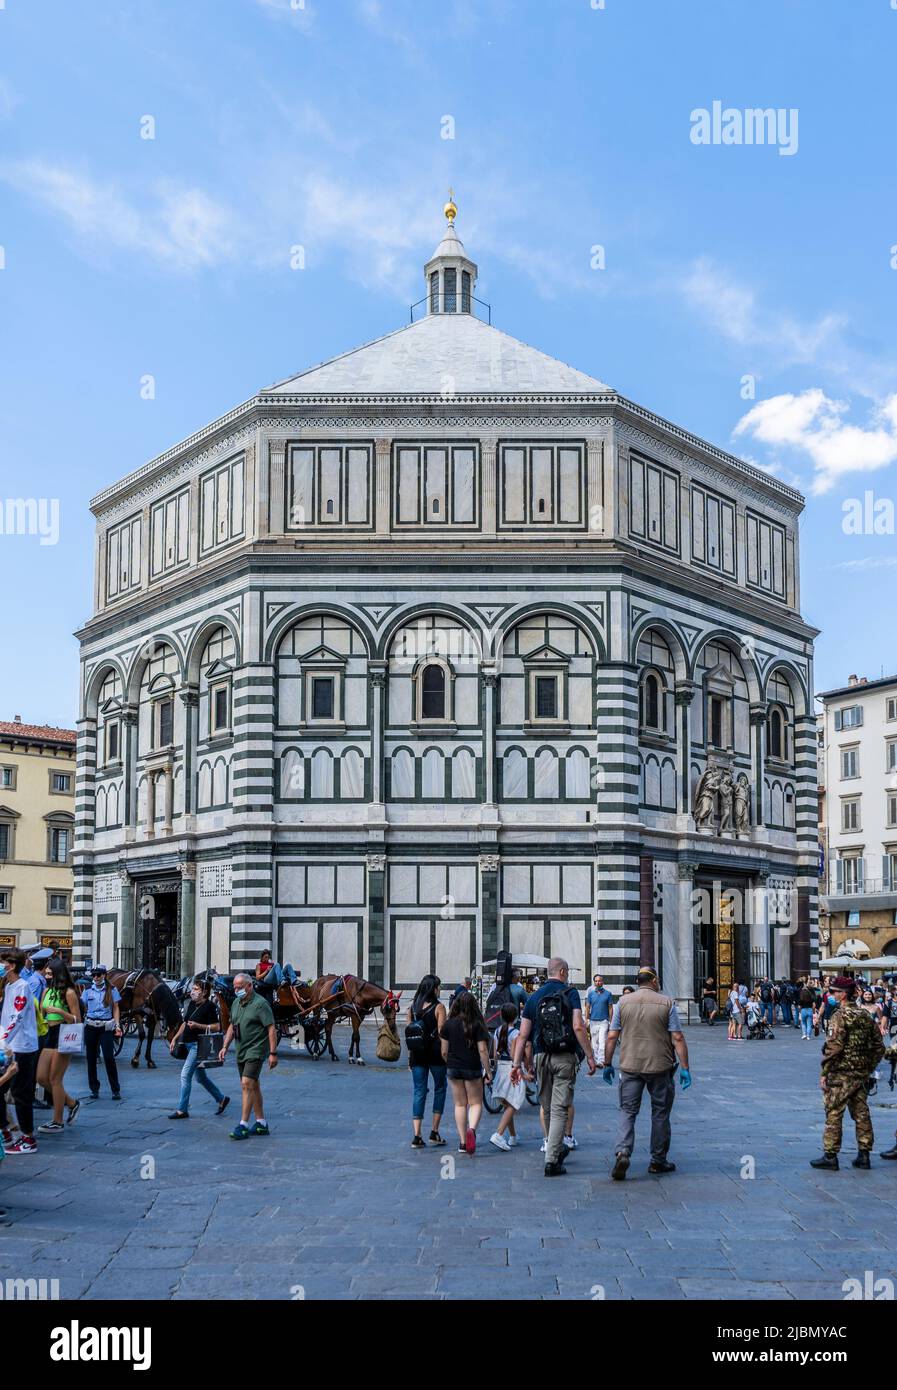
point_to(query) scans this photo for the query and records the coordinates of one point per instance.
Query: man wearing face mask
(252, 1024)
(200, 1016)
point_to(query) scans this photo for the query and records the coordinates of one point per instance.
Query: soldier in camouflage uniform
(851, 1052)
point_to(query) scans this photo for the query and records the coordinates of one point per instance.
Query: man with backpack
(647, 1026)
(767, 1000)
(553, 1020)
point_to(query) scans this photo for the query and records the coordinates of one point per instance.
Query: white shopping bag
(71, 1037)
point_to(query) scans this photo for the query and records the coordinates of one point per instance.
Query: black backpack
(555, 1015)
(765, 993)
(499, 995)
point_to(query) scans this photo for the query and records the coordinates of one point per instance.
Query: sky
(160, 161)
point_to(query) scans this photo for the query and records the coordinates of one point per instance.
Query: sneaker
(22, 1146)
(470, 1142)
(241, 1131)
(51, 1128)
(555, 1170)
(570, 1142)
(462, 1148)
(417, 1142)
(500, 1142)
(661, 1165)
(260, 1127)
(223, 1103)
(436, 1139)
(620, 1168)
(543, 1147)
(513, 1141)
(73, 1110)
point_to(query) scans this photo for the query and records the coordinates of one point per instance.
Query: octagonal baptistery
(438, 648)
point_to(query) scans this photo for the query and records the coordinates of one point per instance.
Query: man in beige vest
(646, 1025)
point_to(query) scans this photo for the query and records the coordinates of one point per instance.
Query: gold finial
(451, 212)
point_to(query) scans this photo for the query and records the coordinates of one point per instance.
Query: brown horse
(347, 996)
(147, 1001)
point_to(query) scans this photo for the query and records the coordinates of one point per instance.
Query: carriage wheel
(316, 1043)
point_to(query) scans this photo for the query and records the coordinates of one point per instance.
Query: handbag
(180, 1052)
(71, 1038)
(208, 1046)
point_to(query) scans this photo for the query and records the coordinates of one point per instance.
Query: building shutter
(839, 876)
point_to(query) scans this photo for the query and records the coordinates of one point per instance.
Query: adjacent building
(859, 758)
(440, 647)
(37, 821)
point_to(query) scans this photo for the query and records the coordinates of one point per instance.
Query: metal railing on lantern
(452, 301)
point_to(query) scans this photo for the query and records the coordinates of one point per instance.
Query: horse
(347, 996)
(148, 1001)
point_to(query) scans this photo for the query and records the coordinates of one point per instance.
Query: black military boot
(862, 1159)
(825, 1160)
(889, 1153)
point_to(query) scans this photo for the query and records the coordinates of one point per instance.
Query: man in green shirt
(252, 1024)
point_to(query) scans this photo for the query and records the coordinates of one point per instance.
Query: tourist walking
(736, 1014)
(553, 1020)
(511, 1094)
(424, 1021)
(252, 1024)
(599, 1004)
(200, 1016)
(646, 1025)
(460, 989)
(850, 1053)
(18, 1041)
(61, 1004)
(102, 1025)
(806, 1004)
(465, 1051)
(766, 996)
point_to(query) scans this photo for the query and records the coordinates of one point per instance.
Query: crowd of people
(529, 1033)
(806, 1003)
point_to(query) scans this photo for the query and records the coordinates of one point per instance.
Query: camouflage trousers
(846, 1093)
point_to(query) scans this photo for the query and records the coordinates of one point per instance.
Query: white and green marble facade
(535, 526)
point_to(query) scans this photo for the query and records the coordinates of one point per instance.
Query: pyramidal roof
(448, 351)
(441, 351)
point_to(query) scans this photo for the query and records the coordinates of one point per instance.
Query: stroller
(757, 1026)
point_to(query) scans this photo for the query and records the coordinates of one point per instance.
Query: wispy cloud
(298, 12)
(813, 424)
(182, 228)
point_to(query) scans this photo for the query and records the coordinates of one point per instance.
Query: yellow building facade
(37, 804)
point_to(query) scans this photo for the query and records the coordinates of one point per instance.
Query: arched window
(432, 692)
(652, 702)
(775, 734)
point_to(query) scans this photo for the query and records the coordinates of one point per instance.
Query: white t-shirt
(18, 1020)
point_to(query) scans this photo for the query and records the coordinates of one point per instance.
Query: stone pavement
(127, 1204)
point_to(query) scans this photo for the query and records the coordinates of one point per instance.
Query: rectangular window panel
(728, 538)
(671, 511)
(570, 486)
(698, 526)
(636, 497)
(301, 487)
(322, 697)
(655, 504)
(166, 723)
(409, 485)
(435, 485)
(512, 477)
(237, 521)
(123, 558)
(329, 506)
(546, 697)
(208, 512)
(4, 841)
(463, 486)
(112, 743)
(358, 485)
(541, 487)
(220, 708)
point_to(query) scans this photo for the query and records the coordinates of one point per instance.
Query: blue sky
(279, 125)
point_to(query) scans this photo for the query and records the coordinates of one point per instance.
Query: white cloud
(298, 12)
(182, 228)
(814, 424)
(734, 310)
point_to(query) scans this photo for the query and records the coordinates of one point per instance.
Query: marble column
(129, 737)
(383, 447)
(377, 674)
(685, 974)
(490, 687)
(758, 725)
(489, 464)
(187, 933)
(683, 697)
(190, 699)
(489, 941)
(376, 877)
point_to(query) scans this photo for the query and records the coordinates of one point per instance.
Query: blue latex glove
(684, 1078)
(608, 1075)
